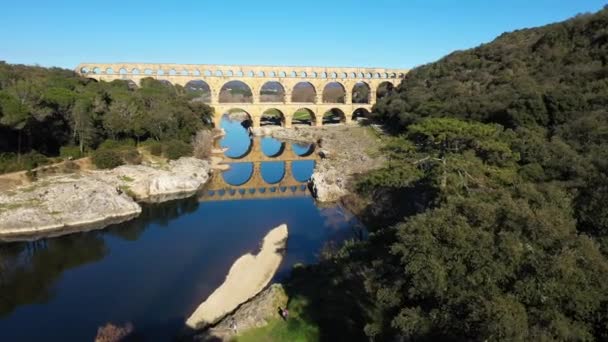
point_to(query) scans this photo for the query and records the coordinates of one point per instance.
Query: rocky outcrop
(255, 313)
(346, 150)
(247, 277)
(179, 178)
(59, 205)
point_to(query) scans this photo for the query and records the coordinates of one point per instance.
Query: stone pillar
(319, 98)
(287, 123)
(256, 97)
(256, 120)
(215, 97)
(288, 172)
(287, 97)
(348, 97)
(372, 96)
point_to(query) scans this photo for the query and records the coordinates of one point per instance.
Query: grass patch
(126, 179)
(302, 114)
(296, 328)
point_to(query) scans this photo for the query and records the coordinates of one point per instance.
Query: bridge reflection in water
(257, 174)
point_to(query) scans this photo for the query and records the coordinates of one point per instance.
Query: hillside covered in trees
(43, 110)
(489, 221)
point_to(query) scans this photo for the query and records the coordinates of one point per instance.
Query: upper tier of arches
(239, 71)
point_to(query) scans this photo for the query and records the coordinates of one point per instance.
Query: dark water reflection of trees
(28, 270)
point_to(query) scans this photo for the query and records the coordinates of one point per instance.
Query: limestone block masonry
(216, 76)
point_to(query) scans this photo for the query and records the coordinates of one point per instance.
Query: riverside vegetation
(489, 219)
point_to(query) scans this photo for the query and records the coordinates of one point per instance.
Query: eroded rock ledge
(94, 199)
(346, 150)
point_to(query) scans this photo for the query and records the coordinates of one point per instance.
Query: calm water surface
(153, 271)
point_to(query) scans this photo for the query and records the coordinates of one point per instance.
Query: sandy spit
(247, 277)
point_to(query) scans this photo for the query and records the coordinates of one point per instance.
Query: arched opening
(303, 92)
(384, 88)
(184, 72)
(282, 74)
(109, 71)
(334, 93)
(272, 91)
(272, 117)
(272, 147)
(198, 90)
(236, 92)
(273, 172)
(304, 116)
(360, 114)
(238, 174)
(135, 71)
(172, 72)
(229, 73)
(237, 123)
(148, 72)
(160, 72)
(122, 72)
(361, 93)
(196, 73)
(84, 70)
(166, 83)
(301, 170)
(303, 149)
(333, 116)
(96, 70)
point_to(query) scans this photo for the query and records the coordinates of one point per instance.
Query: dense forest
(489, 221)
(46, 111)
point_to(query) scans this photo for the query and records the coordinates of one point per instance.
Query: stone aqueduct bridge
(256, 187)
(216, 76)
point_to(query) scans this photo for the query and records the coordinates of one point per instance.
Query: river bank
(345, 150)
(94, 199)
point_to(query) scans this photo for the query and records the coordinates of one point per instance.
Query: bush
(9, 161)
(175, 149)
(70, 152)
(130, 155)
(156, 148)
(111, 144)
(106, 159)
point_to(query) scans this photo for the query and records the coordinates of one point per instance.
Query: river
(153, 271)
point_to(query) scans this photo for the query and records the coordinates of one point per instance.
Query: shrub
(175, 149)
(111, 144)
(156, 148)
(106, 159)
(70, 152)
(130, 155)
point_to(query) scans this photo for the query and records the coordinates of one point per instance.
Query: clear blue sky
(384, 33)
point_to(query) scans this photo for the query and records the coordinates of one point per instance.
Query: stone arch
(272, 116)
(160, 72)
(272, 74)
(334, 92)
(306, 148)
(96, 70)
(184, 72)
(239, 74)
(261, 74)
(250, 73)
(334, 116)
(360, 92)
(293, 74)
(313, 74)
(334, 75)
(236, 114)
(196, 72)
(383, 89)
(207, 73)
(148, 72)
(84, 70)
(123, 71)
(279, 151)
(199, 89)
(219, 73)
(323, 74)
(272, 91)
(304, 116)
(235, 170)
(360, 113)
(303, 74)
(303, 92)
(282, 74)
(135, 71)
(229, 73)
(266, 166)
(235, 92)
(172, 72)
(109, 71)
(343, 75)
